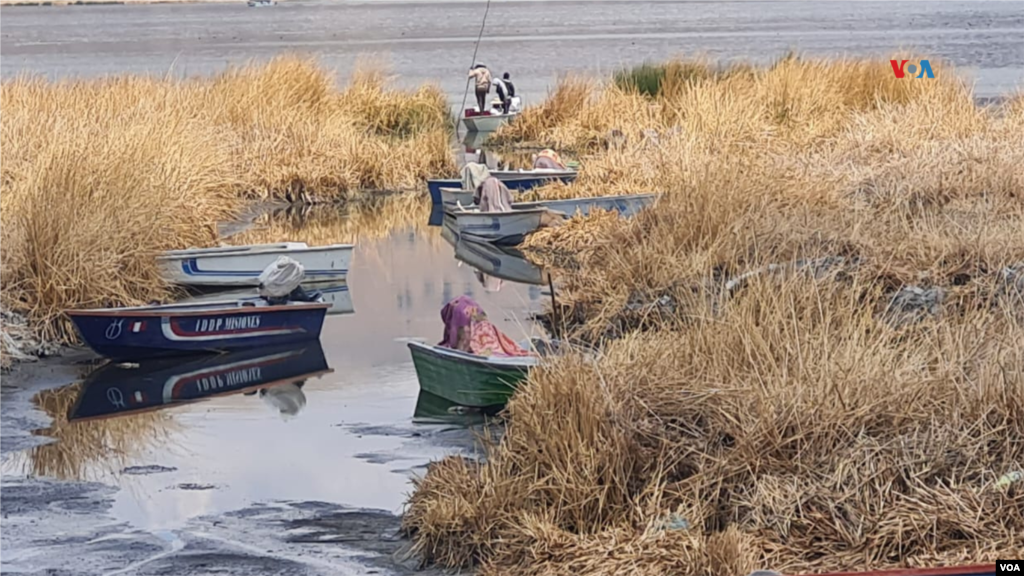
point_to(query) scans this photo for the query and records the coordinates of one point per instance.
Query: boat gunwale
(653, 195)
(183, 254)
(189, 310)
(492, 213)
(512, 362)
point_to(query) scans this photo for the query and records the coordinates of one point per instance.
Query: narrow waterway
(352, 434)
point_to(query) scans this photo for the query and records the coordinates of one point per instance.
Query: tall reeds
(811, 354)
(99, 176)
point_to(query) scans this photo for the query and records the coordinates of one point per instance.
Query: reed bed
(101, 175)
(811, 352)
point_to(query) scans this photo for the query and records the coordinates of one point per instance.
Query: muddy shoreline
(282, 537)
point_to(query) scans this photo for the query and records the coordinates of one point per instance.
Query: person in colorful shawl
(467, 329)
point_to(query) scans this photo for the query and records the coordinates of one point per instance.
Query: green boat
(468, 379)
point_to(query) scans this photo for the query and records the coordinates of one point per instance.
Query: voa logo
(1009, 567)
(923, 69)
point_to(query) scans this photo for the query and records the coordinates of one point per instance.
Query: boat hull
(513, 180)
(113, 390)
(465, 379)
(226, 268)
(502, 228)
(147, 332)
(486, 122)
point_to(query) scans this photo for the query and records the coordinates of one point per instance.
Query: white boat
(498, 227)
(260, 3)
(336, 294)
(242, 265)
(487, 122)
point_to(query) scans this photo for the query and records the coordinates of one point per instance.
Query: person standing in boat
(482, 75)
(506, 92)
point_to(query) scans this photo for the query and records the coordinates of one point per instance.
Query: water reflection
(117, 390)
(94, 449)
(491, 263)
(432, 409)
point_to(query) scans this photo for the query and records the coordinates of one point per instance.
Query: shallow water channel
(350, 437)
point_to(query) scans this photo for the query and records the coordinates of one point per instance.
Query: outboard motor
(279, 283)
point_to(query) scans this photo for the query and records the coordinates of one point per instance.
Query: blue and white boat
(513, 179)
(132, 333)
(237, 266)
(116, 390)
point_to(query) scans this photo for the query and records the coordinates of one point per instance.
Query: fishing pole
(465, 93)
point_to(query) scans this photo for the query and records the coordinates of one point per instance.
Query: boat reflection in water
(275, 373)
(489, 260)
(433, 409)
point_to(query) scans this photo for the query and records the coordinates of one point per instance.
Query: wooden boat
(486, 122)
(336, 294)
(467, 379)
(503, 228)
(972, 570)
(114, 390)
(242, 265)
(513, 179)
(150, 331)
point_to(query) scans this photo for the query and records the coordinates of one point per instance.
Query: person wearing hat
(483, 85)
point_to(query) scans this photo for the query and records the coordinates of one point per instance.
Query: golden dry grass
(803, 419)
(101, 175)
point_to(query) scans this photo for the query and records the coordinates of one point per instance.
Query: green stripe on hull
(466, 382)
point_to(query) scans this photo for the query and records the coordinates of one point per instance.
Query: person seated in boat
(493, 196)
(467, 329)
(506, 91)
(547, 160)
(482, 75)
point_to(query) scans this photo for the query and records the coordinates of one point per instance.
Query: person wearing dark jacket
(506, 91)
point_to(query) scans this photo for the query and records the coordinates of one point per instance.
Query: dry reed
(99, 176)
(811, 345)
